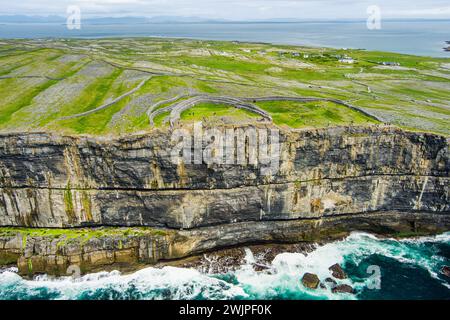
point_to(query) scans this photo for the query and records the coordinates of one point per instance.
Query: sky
(234, 9)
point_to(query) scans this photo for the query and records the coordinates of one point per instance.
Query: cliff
(329, 180)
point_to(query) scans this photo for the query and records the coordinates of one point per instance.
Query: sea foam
(282, 280)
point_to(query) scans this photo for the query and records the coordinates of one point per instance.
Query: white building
(347, 60)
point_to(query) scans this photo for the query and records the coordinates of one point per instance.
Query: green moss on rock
(68, 203)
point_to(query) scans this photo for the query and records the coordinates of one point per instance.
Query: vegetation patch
(210, 110)
(82, 233)
(313, 114)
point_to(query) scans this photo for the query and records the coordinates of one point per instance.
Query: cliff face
(54, 181)
(329, 182)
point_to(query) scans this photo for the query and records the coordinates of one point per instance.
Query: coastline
(118, 250)
(308, 36)
(343, 268)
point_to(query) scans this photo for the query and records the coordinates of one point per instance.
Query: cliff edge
(329, 181)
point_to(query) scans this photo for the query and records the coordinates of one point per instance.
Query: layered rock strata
(335, 174)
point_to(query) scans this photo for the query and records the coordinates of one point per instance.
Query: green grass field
(216, 112)
(314, 114)
(43, 81)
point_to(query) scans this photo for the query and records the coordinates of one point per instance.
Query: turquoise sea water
(409, 269)
(419, 37)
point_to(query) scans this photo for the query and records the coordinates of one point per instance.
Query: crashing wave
(280, 281)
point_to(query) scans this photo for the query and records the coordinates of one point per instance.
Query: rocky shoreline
(103, 203)
(127, 249)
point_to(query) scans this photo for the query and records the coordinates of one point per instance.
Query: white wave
(444, 237)
(287, 271)
(287, 268)
(283, 279)
(9, 276)
(168, 282)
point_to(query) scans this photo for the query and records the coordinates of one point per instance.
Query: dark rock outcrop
(331, 282)
(337, 272)
(446, 271)
(343, 288)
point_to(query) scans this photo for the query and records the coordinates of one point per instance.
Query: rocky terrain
(51, 181)
(331, 181)
(112, 86)
(86, 136)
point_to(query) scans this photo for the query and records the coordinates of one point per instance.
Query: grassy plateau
(111, 86)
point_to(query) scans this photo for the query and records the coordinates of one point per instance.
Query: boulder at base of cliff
(338, 272)
(446, 271)
(343, 288)
(331, 282)
(311, 281)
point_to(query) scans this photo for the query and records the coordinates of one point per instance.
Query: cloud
(233, 9)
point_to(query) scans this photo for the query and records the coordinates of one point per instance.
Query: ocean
(377, 269)
(425, 38)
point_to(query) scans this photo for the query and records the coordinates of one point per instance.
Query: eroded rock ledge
(330, 181)
(56, 251)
